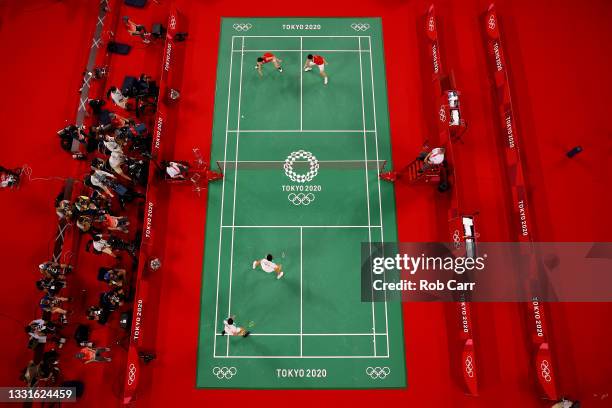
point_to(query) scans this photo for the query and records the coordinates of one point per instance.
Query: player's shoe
(254, 264)
(307, 69)
(325, 81)
(280, 69)
(280, 275)
(246, 334)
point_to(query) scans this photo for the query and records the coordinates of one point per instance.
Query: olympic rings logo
(545, 370)
(442, 114)
(378, 372)
(301, 178)
(301, 198)
(492, 22)
(131, 374)
(432, 24)
(224, 373)
(456, 239)
(242, 27)
(469, 366)
(172, 22)
(360, 26)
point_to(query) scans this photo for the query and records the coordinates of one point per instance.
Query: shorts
(321, 67)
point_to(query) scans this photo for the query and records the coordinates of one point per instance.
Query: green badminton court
(300, 163)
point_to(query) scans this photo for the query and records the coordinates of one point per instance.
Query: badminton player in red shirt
(266, 58)
(319, 61)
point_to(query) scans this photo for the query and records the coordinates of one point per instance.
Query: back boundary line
(298, 36)
(300, 357)
(380, 212)
(313, 334)
(229, 302)
(300, 226)
(359, 131)
(238, 131)
(306, 49)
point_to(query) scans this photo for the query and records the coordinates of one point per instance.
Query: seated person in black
(145, 86)
(112, 299)
(97, 314)
(50, 286)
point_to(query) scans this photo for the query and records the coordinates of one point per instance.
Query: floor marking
(229, 94)
(300, 226)
(313, 334)
(229, 302)
(301, 50)
(295, 356)
(297, 36)
(382, 231)
(360, 131)
(301, 87)
(365, 151)
(236, 161)
(306, 161)
(301, 293)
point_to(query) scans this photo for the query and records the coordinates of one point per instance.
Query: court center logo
(378, 373)
(301, 194)
(360, 26)
(224, 373)
(242, 26)
(301, 178)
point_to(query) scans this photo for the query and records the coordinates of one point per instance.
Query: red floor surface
(559, 60)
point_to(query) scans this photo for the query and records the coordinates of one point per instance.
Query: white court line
(301, 87)
(369, 226)
(318, 357)
(365, 151)
(229, 93)
(300, 226)
(301, 131)
(301, 292)
(300, 50)
(229, 302)
(297, 36)
(313, 334)
(382, 231)
(305, 161)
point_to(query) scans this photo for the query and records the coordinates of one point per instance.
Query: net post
(389, 176)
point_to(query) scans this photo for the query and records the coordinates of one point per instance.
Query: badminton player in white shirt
(268, 266)
(231, 329)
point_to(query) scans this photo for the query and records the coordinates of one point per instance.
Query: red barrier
(521, 218)
(447, 136)
(150, 242)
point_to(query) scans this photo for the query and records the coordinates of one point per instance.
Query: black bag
(128, 88)
(136, 3)
(118, 48)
